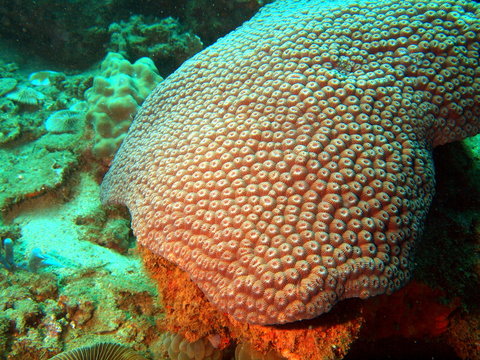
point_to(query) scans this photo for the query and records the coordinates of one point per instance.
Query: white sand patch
(49, 224)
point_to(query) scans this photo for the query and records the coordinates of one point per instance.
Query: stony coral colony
(289, 166)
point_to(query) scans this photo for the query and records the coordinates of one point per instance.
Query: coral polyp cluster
(289, 165)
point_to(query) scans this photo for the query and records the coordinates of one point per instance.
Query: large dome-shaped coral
(289, 166)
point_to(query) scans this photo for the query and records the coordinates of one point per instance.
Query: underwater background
(72, 76)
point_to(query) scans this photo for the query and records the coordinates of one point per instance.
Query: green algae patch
(30, 170)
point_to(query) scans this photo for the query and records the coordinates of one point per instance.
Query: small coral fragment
(100, 351)
(42, 78)
(65, 121)
(27, 96)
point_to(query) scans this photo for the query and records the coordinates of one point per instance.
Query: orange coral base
(413, 312)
